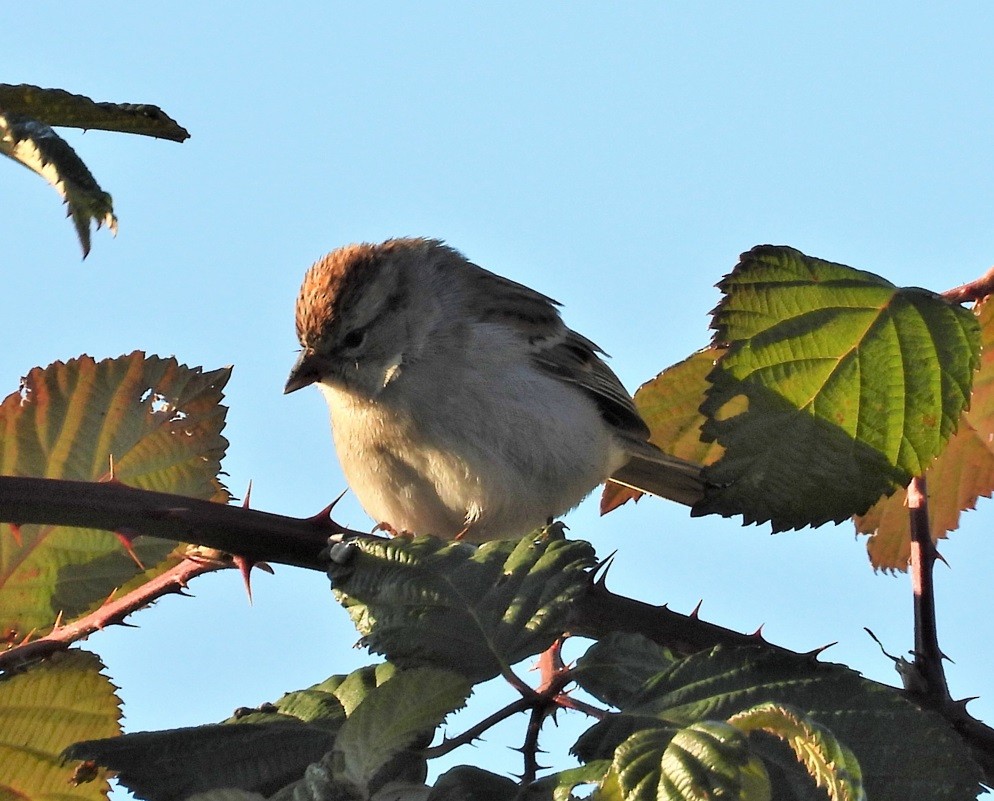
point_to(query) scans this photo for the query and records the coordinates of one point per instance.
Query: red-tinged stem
(113, 611)
(973, 290)
(928, 656)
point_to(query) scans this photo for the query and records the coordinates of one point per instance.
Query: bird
(461, 405)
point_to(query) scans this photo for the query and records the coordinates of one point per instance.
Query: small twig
(928, 656)
(113, 611)
(450, 744)
(973, 290)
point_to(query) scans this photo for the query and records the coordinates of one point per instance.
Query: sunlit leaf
(962, 473)
(160, 422)
(852, 386)
(827, 760)
(42, 711)
(475, 611)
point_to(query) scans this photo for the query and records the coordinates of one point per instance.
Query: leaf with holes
(475, 611)
(42, 711)
(963, 472)
(851, 386)
(160, 422)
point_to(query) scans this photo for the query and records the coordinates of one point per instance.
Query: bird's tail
(660, 474)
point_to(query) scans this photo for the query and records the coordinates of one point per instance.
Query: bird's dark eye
(354, 338)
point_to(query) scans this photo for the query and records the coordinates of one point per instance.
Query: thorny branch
(261, 536)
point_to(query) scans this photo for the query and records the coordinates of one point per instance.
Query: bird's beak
(307, 370)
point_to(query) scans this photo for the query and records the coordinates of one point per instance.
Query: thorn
(110, 477)
(696, 614)
(758, 633)
(323, 518)
(602, 567)
(814, 653)
(248, 496)
(962, 702)
(15, 530)
(58, 621)
(941, 558)
(126, 538)
(245, 565)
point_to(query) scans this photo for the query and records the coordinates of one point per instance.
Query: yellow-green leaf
(827, 760)
(160, 422)
(42, 712)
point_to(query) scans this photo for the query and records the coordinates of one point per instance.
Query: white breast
(495, 449)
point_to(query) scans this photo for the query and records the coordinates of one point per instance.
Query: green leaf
(617, 666)
(412, 703)
(60, 108)
(42, 150)
(476, 611)
(827, 760)
(853, 386)
(904, 752)
(962, 473)
(707, 760)
(64, 699)
(160, 422)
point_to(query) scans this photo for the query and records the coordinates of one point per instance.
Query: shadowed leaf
(475, 611)
(852, 386)
(903, 751)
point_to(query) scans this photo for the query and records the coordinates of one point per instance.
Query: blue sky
(616, 157)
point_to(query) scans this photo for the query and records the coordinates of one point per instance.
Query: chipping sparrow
(461, 404)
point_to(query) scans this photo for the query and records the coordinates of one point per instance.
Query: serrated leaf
(670, 405)
(827, 760)
(42, 711)
(451, 605)
(43, 151)
(392, 716)
(160, 421)
(60, 108)
(617, 666)
(905, 752)
(175, 763)
(962, 473)
(853, 386)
